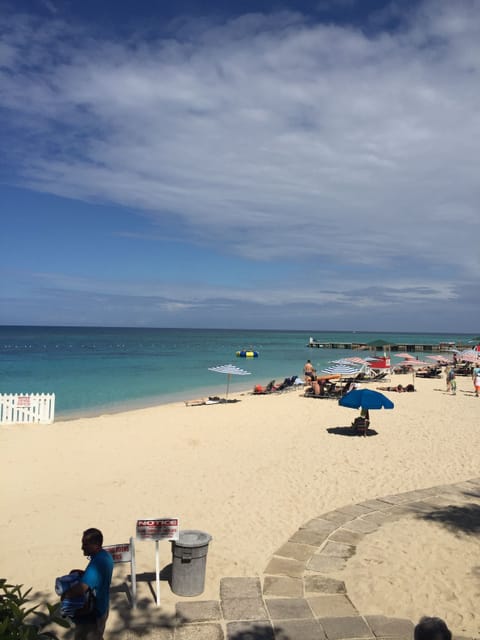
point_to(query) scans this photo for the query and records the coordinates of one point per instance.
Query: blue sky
(280, 165)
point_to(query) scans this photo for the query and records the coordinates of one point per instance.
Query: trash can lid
(193, 538)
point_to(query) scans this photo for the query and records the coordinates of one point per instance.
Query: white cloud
(267, 135)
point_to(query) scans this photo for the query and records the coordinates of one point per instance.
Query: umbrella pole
(228, 382)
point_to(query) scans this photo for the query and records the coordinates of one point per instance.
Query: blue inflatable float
(247, 354)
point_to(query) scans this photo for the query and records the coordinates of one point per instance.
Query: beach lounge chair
(258, 390)
(288, 384)
(360, 425)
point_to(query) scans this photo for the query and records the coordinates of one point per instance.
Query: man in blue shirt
(95, 579)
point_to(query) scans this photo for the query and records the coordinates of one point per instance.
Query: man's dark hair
(93, 535)
(432, 629)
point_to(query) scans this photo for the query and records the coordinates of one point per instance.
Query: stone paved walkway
(297, 599)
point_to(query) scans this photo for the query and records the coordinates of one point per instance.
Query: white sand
(248, 473)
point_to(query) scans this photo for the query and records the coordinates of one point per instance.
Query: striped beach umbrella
(353, 360)
(439, 359)
(469, 355)
(413, 364)
(342, 369)
(230, 370)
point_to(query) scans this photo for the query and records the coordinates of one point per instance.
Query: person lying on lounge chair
(400, 388)
(271, 386)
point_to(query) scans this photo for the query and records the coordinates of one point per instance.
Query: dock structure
(362, 346)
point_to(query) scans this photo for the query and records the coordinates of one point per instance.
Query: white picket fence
(18, 408)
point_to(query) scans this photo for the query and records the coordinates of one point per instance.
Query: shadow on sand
(349, 431)
(463, 518)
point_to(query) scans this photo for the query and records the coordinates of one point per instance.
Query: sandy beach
(250, 474)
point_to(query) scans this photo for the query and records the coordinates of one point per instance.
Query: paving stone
(343, 628)
(393, 499)
(440, 501)
(427, 493)
(348, 537)
(412, 496)
(199, 632)
(205, 611)
(240, 588)
(361, 525)
(421, 507)
(355, 510)
(401, 638)
(329, 606)
(312, 538)
(390, 627)
(338, 550)
(402, 510)
(380, 517)
(326, 564)
(243, 609)
(250, 630)
(449, 489)
(296, 551)
(375, 505)
(288, 608)
(323, 584)
(155, 633)
(298, 630)
(463, 486)
(321, 524)
(285, 567)
(283, 586)
(337, 516)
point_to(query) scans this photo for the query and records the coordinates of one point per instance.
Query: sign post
(158, 529)
(125, 553)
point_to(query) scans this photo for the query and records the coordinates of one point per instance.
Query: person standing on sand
(309, 371)
(476, 379)
(451, 383)
(431, 629)
(96, 578)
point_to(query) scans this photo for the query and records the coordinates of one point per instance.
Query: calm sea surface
(94, 370)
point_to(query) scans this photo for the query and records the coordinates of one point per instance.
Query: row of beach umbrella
(354, 365)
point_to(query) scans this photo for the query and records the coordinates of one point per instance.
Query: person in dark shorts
(95, 582)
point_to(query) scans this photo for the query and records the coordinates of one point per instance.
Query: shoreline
(152, 402)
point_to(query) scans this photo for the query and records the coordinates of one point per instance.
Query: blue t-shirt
(98, 576)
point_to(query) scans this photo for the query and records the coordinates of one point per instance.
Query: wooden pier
(361, 346)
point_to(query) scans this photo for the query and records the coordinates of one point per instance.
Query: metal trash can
(189, 562)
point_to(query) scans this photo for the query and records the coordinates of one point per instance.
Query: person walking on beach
(451, 382)
(96, 580)
(431, 629)
(476, 379)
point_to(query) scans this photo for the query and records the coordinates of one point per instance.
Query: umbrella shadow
(350, 431)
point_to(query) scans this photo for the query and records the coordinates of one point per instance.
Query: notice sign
(158, 529)
(120, 552)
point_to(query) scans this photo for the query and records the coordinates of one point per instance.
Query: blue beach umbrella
(365, 399)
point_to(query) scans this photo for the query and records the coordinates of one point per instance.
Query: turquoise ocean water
(98, 370)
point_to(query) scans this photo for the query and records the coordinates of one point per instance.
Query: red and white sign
(158, 529)
(120, 552)
(23, 401)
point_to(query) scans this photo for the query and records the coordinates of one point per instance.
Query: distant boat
(247, 354)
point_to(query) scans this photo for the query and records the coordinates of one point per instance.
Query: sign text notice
(158, 529)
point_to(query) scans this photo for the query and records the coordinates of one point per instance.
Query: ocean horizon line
(227, 329)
